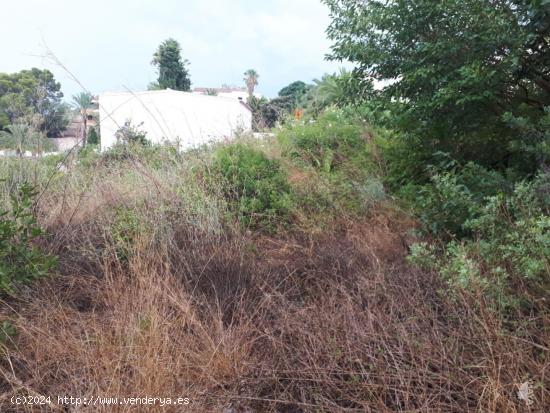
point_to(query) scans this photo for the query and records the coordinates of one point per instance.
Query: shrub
(255, 186)
(129, 133)
(266, 113)
(20, 260)
(454, 197)
(154, 155)
(328, 143)
(508, 255)
(93, 136)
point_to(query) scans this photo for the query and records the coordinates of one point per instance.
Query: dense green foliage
(20, 260)
(295, 92)
(172, 71)
(459, 73)
(32, 97)
(338, 89)
(267, 112)
(93, 136)
(131, 134)
(508, 253)
(326, 144)
(462, 129)
(254, 185)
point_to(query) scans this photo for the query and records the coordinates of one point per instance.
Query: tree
(16, 137)
(326, 91)
(338, 89)
(455, 71)
(21, 138)
(172, 71)
(251, 80)
(295, 91)
(32, 96)
(83, 103)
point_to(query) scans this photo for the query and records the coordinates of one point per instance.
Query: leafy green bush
(20, 260)
(508, 257)
(255, 186)
(454, 197)
(156, 156)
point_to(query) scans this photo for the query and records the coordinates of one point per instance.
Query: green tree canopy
(35, 96)
(172, 69)
(295, 90)
(458, 71)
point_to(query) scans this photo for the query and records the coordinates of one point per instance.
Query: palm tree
(83, 102)
(15, 137)
(251, 80)
(22, 137)
(329, 90)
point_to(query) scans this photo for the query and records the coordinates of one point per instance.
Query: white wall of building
(235, 94)
(184, 118)
(228, 93)
(65, 144)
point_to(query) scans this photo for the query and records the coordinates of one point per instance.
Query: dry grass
(301, 322)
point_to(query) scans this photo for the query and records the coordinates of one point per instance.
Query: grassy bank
(265, 275)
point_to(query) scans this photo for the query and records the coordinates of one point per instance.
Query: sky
(108, 44)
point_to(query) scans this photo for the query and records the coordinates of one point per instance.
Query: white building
(182, 118)
(226, 92)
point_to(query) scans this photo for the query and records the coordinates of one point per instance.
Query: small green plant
(20, 260)
(254, 185)
(125, 231)
(131, 134)
(7, 333)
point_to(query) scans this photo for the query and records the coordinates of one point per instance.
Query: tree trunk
(85, 132)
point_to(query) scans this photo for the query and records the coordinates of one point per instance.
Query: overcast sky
(108, 44)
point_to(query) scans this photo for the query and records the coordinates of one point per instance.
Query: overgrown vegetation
(301, 315)
(464, 116)
(254, 185)
(276, 271)
(387, 250)
(506, 253)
